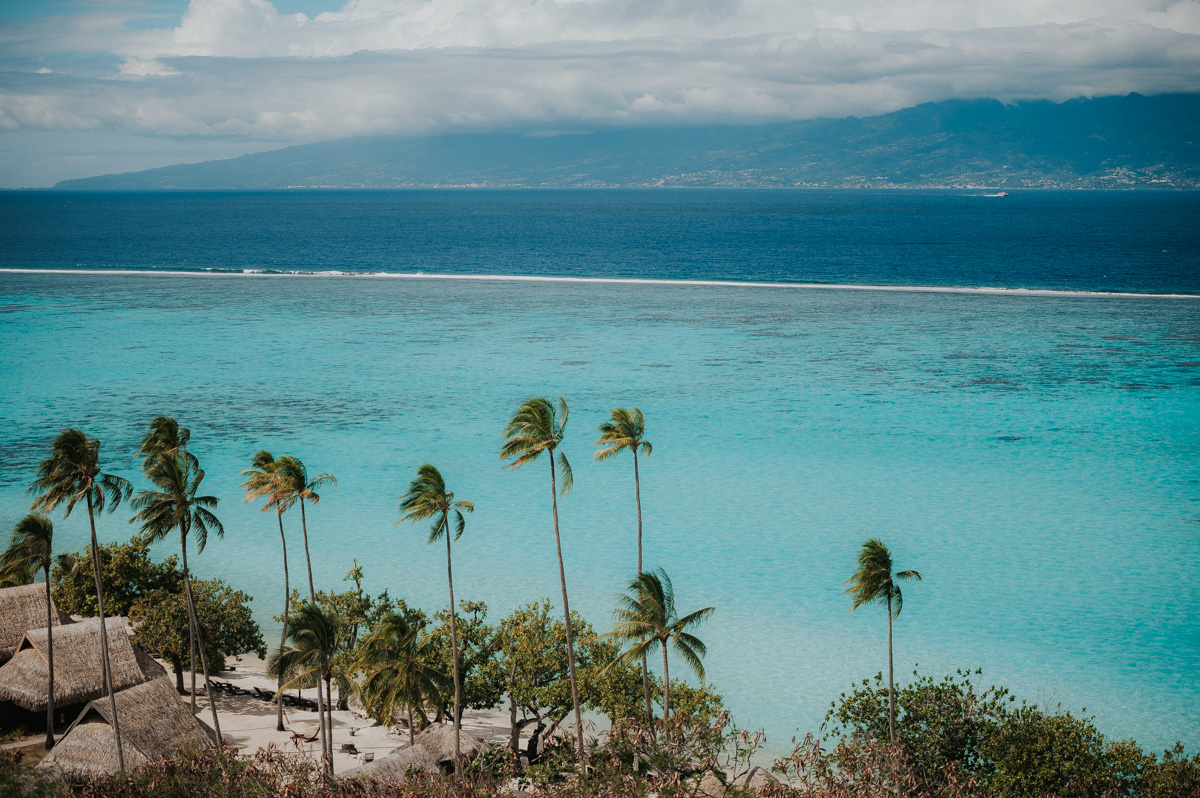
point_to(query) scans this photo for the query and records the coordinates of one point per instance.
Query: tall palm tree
(626, 431)
(298, 486)
(166, 437)
(30, 548)
(263, 482)
(428, 497)
(646, 615)
(316, 635)
(874, 582)
(535, 429)
(72, 474)
(394, 658)
(175, 505)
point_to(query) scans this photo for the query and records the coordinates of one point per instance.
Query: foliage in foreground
(1018, 750)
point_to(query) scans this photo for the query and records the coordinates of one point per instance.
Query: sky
(101, 86)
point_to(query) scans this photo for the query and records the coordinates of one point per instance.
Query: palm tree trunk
(637, 492)
(891, 684)
(412, 735)
(454, 655)
(326, 757)
(329, 715)
(192, 661)
(287, 600)
(666, 684)
(562, 577)
(312, 594)
(50, 657)
(106, 666)
(197, 640)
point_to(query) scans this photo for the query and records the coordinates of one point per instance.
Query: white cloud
(238, 70)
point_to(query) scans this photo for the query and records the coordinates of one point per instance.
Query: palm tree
(166, 437)
(316, 634)
(297, 486)
(647, 615)
(626, 430)
(874, 582)
(175, 505)
(31, 548)
(536, 428)
(427, 497)
(395, 658)
(72, 474)
(263, 481)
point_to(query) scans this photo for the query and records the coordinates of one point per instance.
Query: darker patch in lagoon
(1010, 438)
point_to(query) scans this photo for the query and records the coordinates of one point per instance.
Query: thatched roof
(77, 665)
(155, 723)
(395, 766)
(433, 746)
(22, 608)
(438, 739)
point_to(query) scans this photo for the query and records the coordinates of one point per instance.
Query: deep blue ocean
(1036, 457)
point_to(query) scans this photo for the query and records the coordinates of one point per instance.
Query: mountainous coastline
(1113, 142)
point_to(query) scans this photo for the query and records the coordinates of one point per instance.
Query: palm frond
(568, 478)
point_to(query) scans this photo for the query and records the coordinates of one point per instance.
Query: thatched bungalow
(23, 608)
(431, 752)
(155, 723)
(77, 671)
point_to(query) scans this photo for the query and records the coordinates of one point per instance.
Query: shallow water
(1034, 457)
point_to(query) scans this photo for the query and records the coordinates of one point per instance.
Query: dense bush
(1006, 748)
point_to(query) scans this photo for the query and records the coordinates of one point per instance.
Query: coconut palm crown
(874, 583)
(427, 497)
(646, 615)
(165, 437)
(537, 427)
(32, 547)
(395, 661)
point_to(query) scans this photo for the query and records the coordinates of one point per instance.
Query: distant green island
(1104, 143)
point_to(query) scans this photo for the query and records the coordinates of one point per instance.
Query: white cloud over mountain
(240, 69)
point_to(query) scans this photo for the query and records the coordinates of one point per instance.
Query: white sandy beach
(248, 722)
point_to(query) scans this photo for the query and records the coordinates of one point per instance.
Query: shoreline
(651, 281)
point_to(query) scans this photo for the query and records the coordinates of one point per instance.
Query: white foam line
(523, 278)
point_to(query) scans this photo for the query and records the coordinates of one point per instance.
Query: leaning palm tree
(175, 506)
(537, 428)
(395, 661)
(427, 497)
(646, 615)
(297, 486)
(72, 474)
(31, 548)
(263, 481)
(316, 634)
(874, 582)
(626, 431)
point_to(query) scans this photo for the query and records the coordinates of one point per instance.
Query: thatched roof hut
(77, 665)
(155, 723)
(433, 748)
(22, 608)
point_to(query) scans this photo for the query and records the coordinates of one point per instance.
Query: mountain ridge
(1132, 141)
